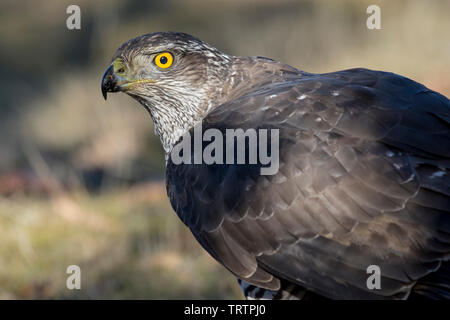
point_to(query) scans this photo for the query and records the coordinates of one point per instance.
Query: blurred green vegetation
(128, 244)
(81, 179)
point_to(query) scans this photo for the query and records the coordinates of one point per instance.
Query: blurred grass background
(81, 180)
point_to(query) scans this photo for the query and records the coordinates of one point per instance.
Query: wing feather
(364, 179)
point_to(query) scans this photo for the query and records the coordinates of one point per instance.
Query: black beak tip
(104, 92)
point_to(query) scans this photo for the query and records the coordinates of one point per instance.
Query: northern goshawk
(363, 178)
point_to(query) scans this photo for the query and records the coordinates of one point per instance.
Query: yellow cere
(118, 66)
(164, 60)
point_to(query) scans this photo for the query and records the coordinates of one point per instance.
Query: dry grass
(128, 244)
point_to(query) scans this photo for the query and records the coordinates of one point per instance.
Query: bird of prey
(363, 181)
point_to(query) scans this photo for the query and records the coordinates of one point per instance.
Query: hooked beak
(109, 82)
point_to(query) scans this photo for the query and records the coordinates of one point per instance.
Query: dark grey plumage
(363, 180)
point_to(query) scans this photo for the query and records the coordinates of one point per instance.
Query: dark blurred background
(81, 179)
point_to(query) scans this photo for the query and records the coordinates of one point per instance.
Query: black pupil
(163, 60)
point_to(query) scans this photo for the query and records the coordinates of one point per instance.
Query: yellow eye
(164, 60)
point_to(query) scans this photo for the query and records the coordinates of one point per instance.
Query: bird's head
(175, 76)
